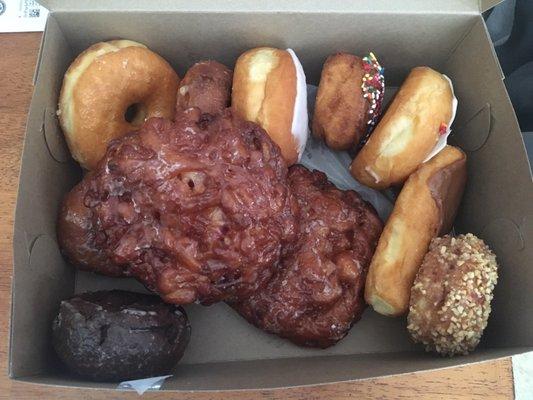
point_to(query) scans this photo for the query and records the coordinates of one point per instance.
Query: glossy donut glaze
(197, 210)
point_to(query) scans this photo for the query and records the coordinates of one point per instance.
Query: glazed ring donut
(109, 90)
(451, 296)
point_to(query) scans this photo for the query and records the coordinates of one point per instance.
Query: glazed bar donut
(269, 89)
(348, 101)
(425, 208)
(413, 129)
(109, 90)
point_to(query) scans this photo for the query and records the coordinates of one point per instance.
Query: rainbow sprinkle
(373, 86)
(443, 129)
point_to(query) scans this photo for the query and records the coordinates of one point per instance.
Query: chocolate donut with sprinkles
(349, 98)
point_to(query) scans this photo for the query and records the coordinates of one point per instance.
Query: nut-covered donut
(109, 90)
(348, 101)
(450, 299)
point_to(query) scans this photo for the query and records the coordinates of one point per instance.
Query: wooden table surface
(488, 380)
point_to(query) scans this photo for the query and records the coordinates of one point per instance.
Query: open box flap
(485, 5)
(449, 6)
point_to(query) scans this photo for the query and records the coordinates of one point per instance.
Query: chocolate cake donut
(117, 335)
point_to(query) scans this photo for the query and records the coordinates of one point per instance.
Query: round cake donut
(348, 101)
(450, 299)
(117, 335)
(109, 90)
(206, 85)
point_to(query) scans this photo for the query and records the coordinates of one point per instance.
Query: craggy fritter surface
(78, 237)
(451, 295)
(206, 85)
(117, 335)
(197, 210)
(317, 295)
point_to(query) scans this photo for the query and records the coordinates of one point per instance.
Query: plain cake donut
(109, 90)
(348, 101)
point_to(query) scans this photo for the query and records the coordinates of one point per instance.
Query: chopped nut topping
(457, 276)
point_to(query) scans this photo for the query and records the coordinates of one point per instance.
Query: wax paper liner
(142, 385)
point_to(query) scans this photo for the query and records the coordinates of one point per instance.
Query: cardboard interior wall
(225, 352)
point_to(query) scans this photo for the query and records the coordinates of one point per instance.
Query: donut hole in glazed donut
(135, 114)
